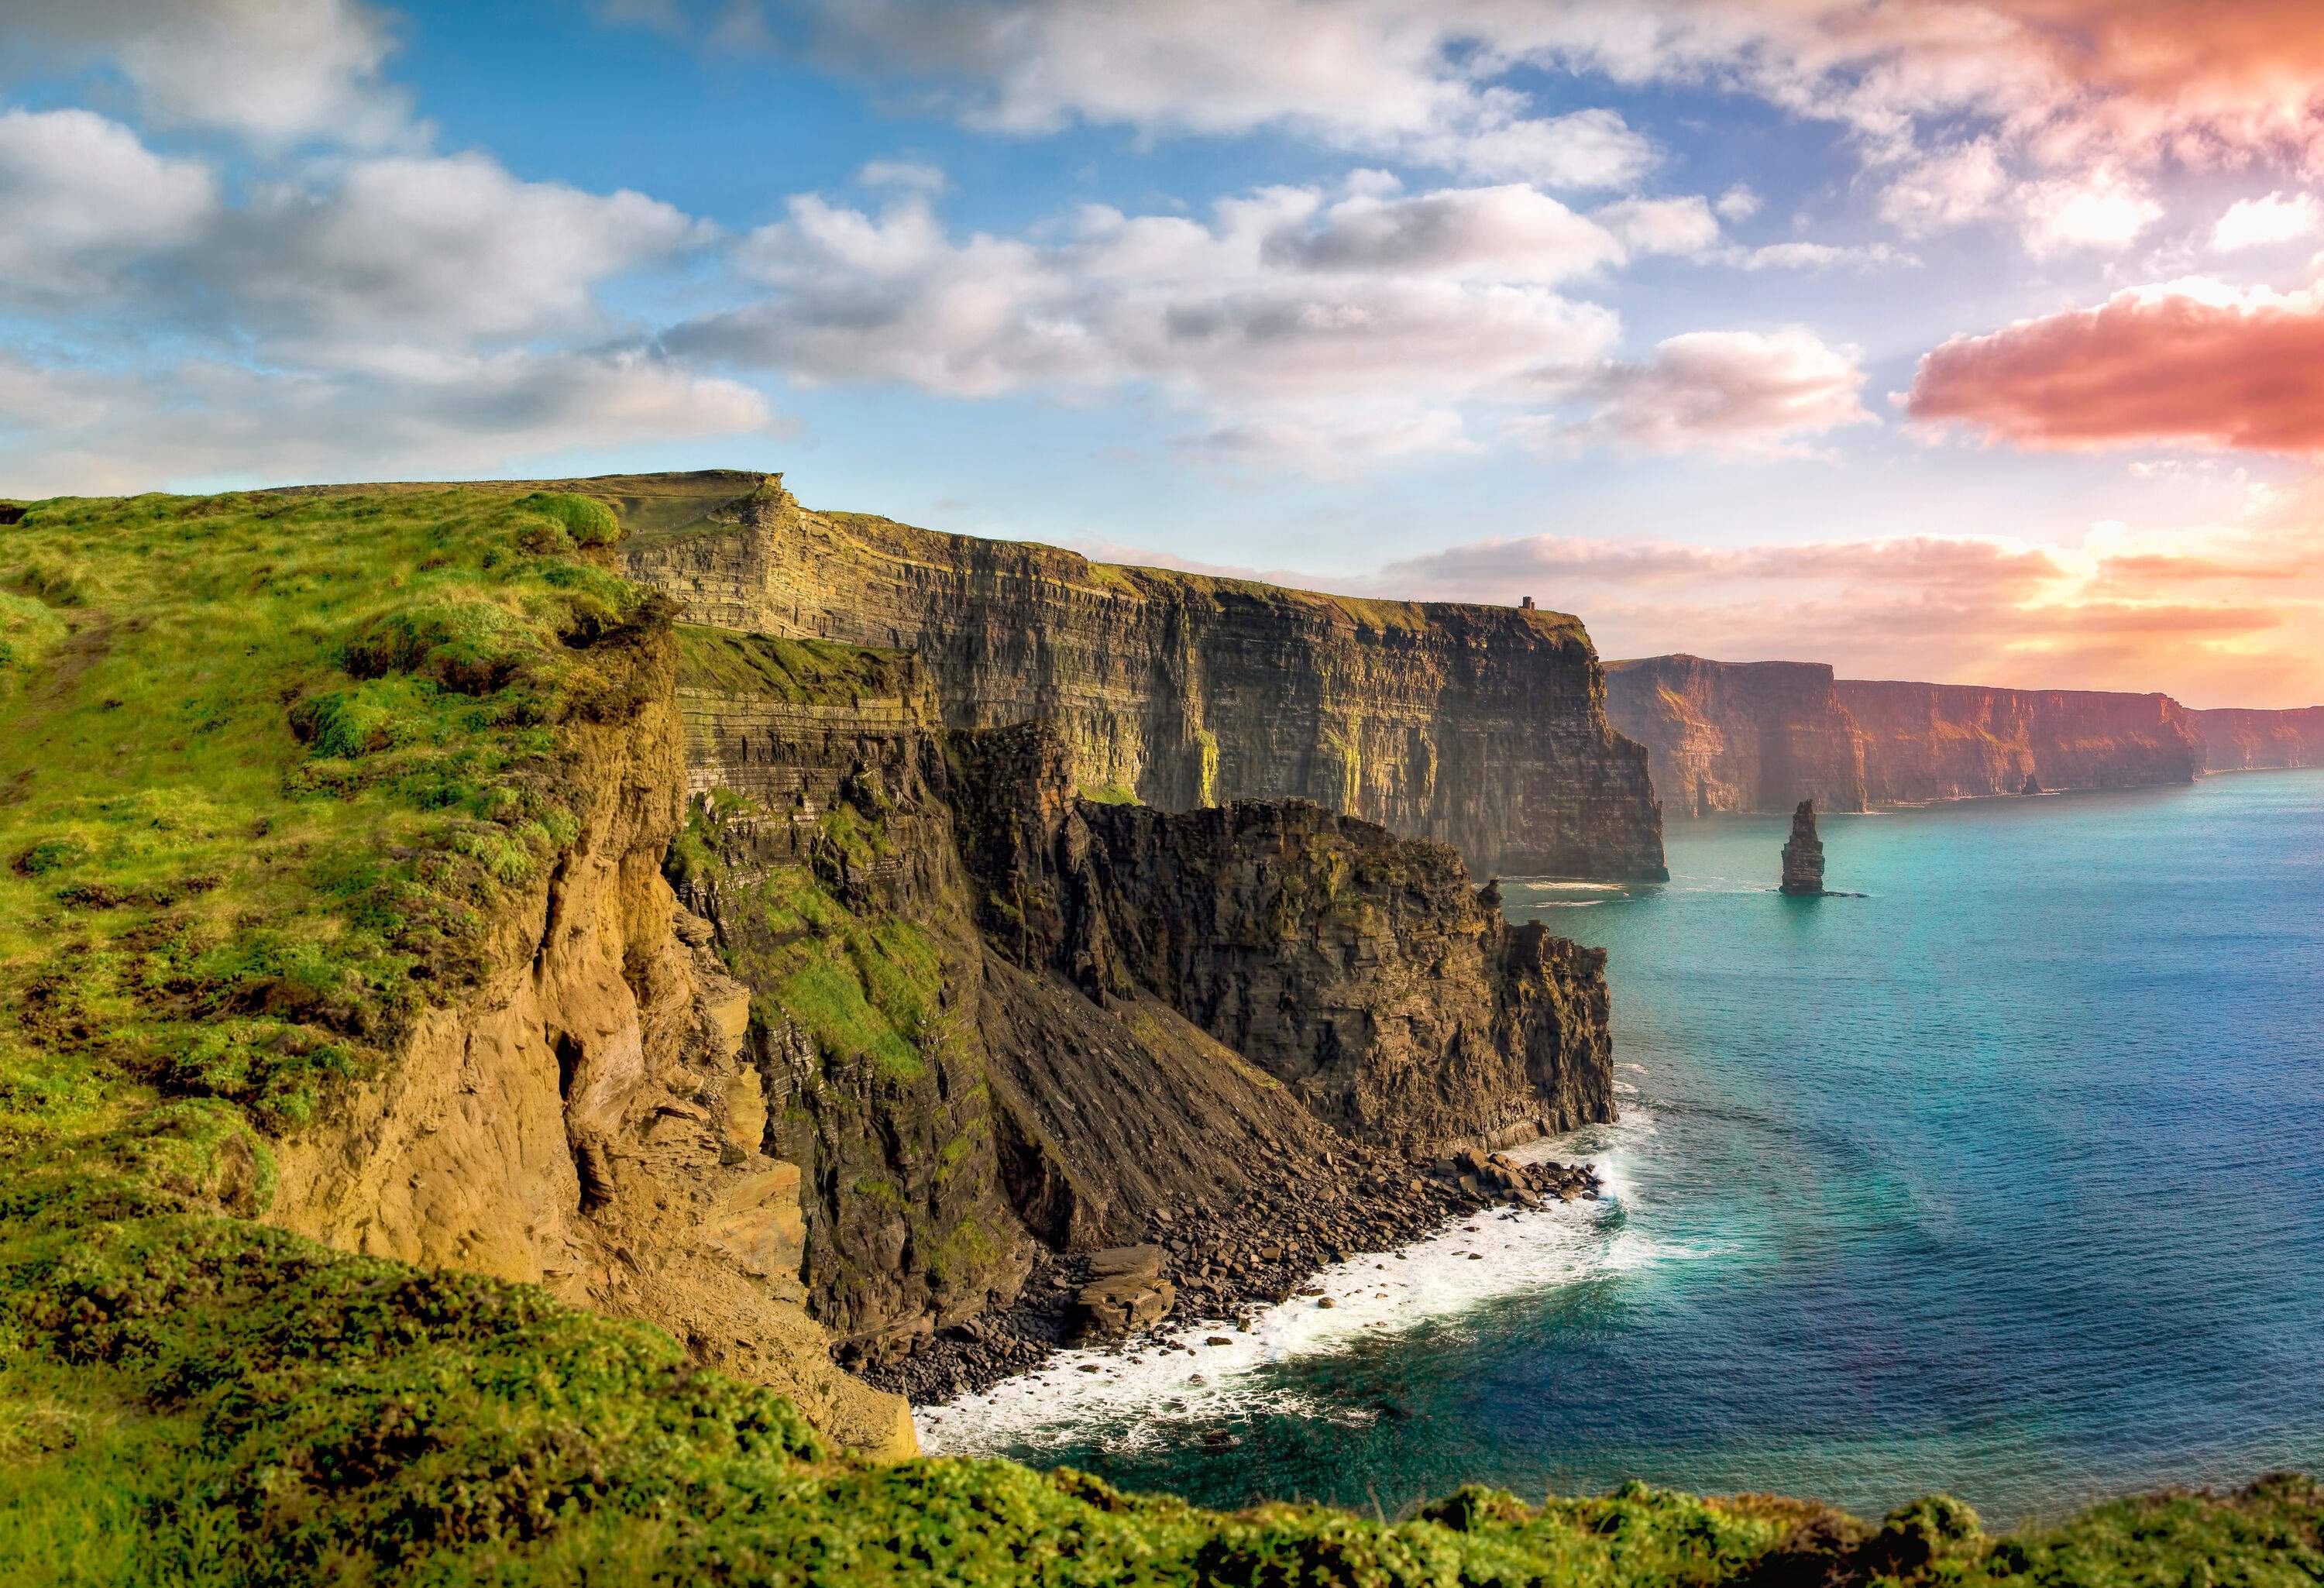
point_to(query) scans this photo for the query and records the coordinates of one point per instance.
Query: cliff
(332, 902)
(472, 915)
(1481, 727)
(1740, 736)
(1758, 736)
(2238, 741)
(997, 1018)
(1948, 741)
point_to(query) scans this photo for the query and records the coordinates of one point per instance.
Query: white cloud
(276, 72)
(1509, 233)
(88, 430)
(1589, 149)
(410, 312)
(1947, 94)
(1738, 393)
(1662, 226)
(1738, 204)
(2264, 223)
(1948, 188)
(912, 175)
(1289, 319)
(412, 250)
(1819, 256)
(2101, 210)
(81, 199)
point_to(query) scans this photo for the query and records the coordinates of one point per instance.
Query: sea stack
(1804, 854)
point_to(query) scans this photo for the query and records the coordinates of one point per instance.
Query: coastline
(1197, 1381)
(1224, 1264)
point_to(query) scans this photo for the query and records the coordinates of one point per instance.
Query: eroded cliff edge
(997, 1020)
(1481, 727)
(1760, 736)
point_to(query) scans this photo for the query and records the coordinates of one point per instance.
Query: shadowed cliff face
(1481, 727)
(1360, 969)
(1760, 736)
(988, 1011)
(2236, 741)
(1728, 736)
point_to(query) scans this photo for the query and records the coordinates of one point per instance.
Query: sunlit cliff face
(1966, 338)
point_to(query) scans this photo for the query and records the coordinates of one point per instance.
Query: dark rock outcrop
(1360, 969)
(1481, 727)
(2236, 741)
(1738, 736)
(998, 1022)
(1804, 854)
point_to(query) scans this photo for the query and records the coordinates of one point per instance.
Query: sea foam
(1126, 1398)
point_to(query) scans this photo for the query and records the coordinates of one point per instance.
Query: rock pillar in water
(1804, 854)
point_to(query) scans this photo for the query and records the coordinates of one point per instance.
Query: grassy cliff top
(271, 767)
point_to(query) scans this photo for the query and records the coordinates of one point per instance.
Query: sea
(2001, 1175)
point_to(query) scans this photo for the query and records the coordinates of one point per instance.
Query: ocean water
(2005, 1179)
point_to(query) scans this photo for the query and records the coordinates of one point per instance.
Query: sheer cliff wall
(1481, 727)
(1740, 736)
(990, 1014)
(1946, 740)
(2236, 741)
(1761, 736)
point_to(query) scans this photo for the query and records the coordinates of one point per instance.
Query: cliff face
(1740, 736)
(1759, 736)
(990, 1012)
(1946, 740)
(1360, 969)
(2244, 740)
(589, 1118)
(1481, 727)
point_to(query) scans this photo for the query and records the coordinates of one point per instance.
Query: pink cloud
(2223, 618)
(2191, 362)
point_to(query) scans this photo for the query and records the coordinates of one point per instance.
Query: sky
(1969, 340)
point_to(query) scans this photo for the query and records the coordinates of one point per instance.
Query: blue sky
(1615, 305)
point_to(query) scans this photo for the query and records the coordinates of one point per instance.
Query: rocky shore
(1209, 1264)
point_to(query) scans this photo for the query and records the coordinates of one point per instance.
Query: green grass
(799, 670)
(865, 987)
(270, 767)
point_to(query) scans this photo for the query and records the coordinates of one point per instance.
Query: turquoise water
(2005, 1179)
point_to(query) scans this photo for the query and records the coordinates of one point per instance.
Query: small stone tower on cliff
(1804, 854)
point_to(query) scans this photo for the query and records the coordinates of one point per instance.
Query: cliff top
(1682, 660)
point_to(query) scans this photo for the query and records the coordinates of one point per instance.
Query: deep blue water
(2005, 1179)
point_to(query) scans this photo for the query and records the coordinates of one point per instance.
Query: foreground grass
(271, 768)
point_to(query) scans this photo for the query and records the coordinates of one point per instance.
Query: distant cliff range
(1760, 736)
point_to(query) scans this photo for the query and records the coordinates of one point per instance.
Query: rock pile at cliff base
(1209, 1261)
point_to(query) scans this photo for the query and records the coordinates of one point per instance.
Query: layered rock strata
(2236, 741)
(1949, 740)
(1759, 736)
(997, 1020)
(592, 1118)
(1481, 727)
(1740, 736)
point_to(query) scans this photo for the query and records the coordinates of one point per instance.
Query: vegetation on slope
(269, 767)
